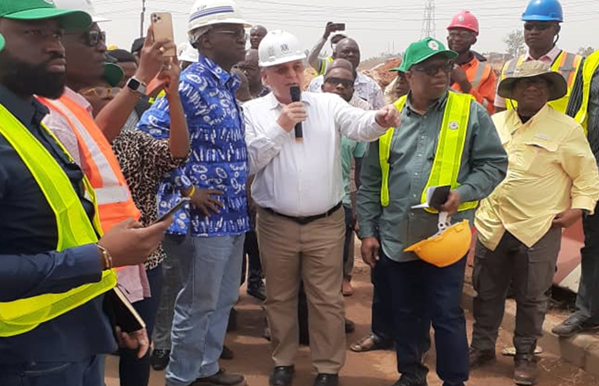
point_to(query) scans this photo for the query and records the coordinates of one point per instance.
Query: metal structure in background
(428, 20)
(142, 31)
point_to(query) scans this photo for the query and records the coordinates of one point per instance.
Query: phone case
(163, 29)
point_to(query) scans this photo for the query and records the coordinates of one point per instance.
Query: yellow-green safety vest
(566, 64)
(73, 225)
(591, 64)
(448, 156)
(324, 64)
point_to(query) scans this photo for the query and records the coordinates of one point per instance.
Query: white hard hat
(210, 12)
(81, 5)
(279, 47)
(186, 52)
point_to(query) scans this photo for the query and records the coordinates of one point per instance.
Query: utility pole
(428, 20)
(143, 16)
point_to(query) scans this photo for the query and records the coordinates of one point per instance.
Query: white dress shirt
(364, 86)
(303, 178)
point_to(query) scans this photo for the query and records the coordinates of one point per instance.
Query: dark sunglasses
(433, 69)
(538, 26)
(93, 38)
(347, 83)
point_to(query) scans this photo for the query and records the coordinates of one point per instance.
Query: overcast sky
(377, 25)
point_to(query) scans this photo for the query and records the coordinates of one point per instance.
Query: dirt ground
(252, 353)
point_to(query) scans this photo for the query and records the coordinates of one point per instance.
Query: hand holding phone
(162, 28)
(184, 201)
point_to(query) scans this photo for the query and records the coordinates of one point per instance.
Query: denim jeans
(89, 372)
(134, 371)
(171, 285)
(211, 272)
(422, 293)
(587, 302)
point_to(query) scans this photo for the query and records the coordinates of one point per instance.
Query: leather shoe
(159, 359)
(326, 380)
(572, 326)
(479, 358)
(406, 381)
(281, 376)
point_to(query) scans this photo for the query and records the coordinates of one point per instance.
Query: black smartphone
(184, 201)
(339, 26)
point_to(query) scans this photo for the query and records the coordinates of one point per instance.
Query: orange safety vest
(477, 74)
(98, 163)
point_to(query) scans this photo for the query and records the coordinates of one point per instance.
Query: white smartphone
(184, 201)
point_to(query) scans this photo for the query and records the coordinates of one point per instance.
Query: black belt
(307, 219)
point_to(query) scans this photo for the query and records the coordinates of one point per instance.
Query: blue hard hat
(543, 10)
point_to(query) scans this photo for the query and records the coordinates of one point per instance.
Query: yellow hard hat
(446, 247)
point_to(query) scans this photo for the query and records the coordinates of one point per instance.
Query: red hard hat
(465, 20)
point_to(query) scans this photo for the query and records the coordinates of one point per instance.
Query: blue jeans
(422, 293)
(587, 301)
(211, 272)
(89, 372)
(134, 371)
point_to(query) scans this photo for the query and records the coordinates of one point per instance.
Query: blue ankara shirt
(218, 158)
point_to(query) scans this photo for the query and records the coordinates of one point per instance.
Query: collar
(361, 79)
(474, 61)
(438, 105)
(223, 77)
(28, 113)
(273, 103)
(548, 57)
(79, 99)
(517, 124)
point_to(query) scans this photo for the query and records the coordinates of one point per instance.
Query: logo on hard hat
(461, 18)
(284, 48)
(433, 45)
(453, 125)
(271, 51)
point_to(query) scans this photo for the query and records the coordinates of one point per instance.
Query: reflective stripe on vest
(482, 73)
(73, 228)
(591, 64)
(448, 155)
(566, 64)
(323, 64)
(99, 164)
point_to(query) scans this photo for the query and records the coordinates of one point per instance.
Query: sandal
(369, 343)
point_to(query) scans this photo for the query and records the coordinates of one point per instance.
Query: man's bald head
(251, 56)
(257, 33)
(341, 63)
(348, 49)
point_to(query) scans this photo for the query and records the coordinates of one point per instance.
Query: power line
(428, 20)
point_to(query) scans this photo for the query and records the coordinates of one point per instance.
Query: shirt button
(422, 137)
(413, 195)
(415, 174)
(419, 154)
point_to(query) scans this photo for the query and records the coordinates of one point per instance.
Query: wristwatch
(136, 86)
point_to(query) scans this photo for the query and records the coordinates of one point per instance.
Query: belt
(307, 219)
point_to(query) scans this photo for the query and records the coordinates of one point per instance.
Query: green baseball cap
(421, 50)
(113, 73)
(44, 9)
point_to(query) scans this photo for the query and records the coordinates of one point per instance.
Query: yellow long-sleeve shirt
(551, 169)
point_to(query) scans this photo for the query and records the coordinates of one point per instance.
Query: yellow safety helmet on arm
(446, 247)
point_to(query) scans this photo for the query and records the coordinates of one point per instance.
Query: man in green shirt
(422, 293)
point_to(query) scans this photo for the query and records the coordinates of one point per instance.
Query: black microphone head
(295, 93)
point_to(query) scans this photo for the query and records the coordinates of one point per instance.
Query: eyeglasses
(93, 38)
(347, 83)
(541, 26)
(433, 69)
(460, 34)
(101, 92)
(240, 34)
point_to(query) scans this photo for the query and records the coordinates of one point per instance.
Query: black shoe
(159, 359)
(572, 326)
(479, 358)
(405, 381)
(349, 326)
(281, 376)
(221, 379)
(257, 290)
(226, 354)
(326, 380)
(232, 324)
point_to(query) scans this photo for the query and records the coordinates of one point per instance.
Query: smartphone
(162, 23)
(339, 26)
(184, 201)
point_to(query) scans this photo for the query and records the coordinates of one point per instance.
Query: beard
(25, 79)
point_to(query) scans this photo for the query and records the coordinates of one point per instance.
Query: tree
(585, 51)
(514, 42)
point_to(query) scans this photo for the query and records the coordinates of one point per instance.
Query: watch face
(133, 84)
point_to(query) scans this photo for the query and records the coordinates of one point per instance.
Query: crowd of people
(98, 146)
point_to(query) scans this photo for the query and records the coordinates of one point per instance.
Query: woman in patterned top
(144, 160)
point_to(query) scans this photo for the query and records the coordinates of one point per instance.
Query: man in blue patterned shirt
(208, 241)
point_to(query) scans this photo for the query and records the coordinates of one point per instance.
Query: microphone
(295, 97)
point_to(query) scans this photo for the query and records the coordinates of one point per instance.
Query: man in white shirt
(365, 87)
(298, 188)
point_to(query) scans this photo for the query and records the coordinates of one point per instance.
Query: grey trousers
(532, 271)
(587, 301)
(171, 286)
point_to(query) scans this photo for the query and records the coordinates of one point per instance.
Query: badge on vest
(453, 125)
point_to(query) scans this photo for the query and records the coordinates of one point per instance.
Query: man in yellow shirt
(552, 180)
